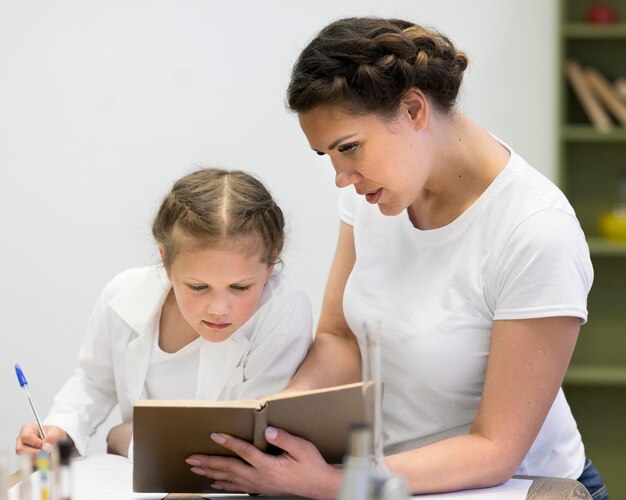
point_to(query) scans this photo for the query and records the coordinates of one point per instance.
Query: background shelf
(586, 31)
(590, 166)
(596, 375)
(601, 247)
(589, 134)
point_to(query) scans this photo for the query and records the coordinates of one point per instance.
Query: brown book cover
(620, 88)
(165, 433)
(588, 100)
(601, 86)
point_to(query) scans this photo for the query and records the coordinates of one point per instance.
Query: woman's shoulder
(532, 191)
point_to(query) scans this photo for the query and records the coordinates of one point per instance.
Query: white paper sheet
(107, 477)
(95, 477)
(513, 489)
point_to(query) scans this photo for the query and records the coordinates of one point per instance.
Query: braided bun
(367, 65)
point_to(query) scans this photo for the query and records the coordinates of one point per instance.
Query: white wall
(104, 103)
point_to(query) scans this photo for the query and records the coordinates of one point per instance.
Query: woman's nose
(345, 177)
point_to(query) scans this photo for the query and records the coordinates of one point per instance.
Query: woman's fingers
(299, 449)
(300, 469)
(228, 473)
(245, 450)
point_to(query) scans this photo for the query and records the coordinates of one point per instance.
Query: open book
(165, 433)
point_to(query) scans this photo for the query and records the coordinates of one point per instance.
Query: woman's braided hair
(213, 206)
(366, 65)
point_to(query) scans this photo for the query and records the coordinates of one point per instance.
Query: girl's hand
(29, 441)
(299, 470)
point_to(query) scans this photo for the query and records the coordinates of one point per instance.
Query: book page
(295, 394)
(198, 403)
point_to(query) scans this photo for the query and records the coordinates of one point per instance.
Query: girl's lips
(374, 197)
(217, 326)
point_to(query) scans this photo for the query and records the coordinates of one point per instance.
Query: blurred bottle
(4, 474)
(26, 470)
(357, 482)
(612, 223)
(43, 467)
(363, 479)
(63, 476)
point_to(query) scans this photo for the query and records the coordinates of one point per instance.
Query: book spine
(602, 88)
(620, 88)
(260, 423)
(587, 99)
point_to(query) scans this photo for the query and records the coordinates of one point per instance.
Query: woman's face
(386, 160)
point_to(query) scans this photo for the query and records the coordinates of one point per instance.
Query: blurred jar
(612, 224)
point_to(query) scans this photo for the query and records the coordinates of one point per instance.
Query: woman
(472, 262)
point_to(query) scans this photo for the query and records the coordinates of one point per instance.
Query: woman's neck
(466, 161)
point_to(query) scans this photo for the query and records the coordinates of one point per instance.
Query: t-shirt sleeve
(348, 205)
(544, 269)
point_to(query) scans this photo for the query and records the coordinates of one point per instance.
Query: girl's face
(386, 160)
(218, 289)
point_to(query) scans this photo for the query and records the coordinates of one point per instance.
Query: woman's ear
(415, 106)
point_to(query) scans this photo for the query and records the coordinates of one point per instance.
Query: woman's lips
(217, 326)
(374, 197)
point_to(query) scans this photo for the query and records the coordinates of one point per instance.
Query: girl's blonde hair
(214, 206)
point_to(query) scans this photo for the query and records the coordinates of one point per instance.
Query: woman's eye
(240, 288)
(197, 288)
(348, 148)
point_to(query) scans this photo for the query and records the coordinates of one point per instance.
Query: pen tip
(20, 376)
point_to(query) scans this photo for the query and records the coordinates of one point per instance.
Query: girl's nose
(218, 306)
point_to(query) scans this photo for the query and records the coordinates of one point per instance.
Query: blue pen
(24, 385)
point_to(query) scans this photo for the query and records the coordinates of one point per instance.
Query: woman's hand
(118, 439)
(299, 470)
(29, 441)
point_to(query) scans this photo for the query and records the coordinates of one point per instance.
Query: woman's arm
(527, 363)
(334, 358)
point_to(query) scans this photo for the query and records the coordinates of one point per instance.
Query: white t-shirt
(517, 252)
(173, 375)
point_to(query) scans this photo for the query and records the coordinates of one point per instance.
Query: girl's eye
(240, 288)
(320, 153)
(197, 288)
(348, 148)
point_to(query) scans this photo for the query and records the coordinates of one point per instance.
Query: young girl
(214, 321)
